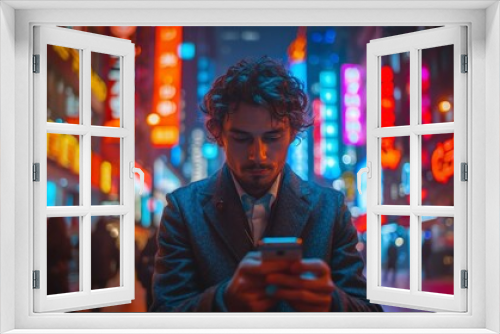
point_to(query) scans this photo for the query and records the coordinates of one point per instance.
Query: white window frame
(483, 21)
(124, 50)
(414, 43)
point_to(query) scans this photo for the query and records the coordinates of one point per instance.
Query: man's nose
(258, 151)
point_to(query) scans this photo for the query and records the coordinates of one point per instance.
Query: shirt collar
(273, 190)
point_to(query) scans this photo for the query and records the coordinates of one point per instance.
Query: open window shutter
(75, 160)
(427, 149)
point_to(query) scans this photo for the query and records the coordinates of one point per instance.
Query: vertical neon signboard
(353, 105)
(297, 154)
(318, 157)
(167, 86)
(328, 125)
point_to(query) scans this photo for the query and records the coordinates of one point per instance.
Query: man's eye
(240, 139)
(273, 138)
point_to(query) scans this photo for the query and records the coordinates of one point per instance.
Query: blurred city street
(174, 68)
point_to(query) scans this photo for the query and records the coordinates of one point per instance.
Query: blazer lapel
(292, 208)
(225, 212)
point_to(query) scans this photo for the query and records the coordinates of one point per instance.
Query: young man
(207, 258)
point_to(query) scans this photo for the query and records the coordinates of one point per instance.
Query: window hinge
(465, 64)
(36, 63)
(464, 172)
(465, 279)
(36, 172)
(36, 279)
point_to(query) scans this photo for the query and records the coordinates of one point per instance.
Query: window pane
(395, 170)
(63, 170)
(395, 89)
(63, 84)
(395, 255)
(105, 252)
(63, 255)
(105, 177)
(437, 169)
(437, 85)
(437, 254)
(105, 88)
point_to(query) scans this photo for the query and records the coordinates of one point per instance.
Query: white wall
(486, 160)
(492, 163)
(7, 159)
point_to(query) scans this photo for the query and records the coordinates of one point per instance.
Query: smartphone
(280, 248)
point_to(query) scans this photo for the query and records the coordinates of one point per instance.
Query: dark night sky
(232, 45)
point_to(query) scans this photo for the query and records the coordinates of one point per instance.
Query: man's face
(256, 146)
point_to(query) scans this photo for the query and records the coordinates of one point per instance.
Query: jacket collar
(225, 213)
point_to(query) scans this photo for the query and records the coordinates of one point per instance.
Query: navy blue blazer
(202, 238)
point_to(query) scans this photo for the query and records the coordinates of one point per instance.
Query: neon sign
(167, 86)
(390, 155)
(326, 131)
(442, 161)
(297, 154)
(353, 105)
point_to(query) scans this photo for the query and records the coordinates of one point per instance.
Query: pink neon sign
(353, 104)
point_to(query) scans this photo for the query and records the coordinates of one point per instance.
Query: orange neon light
(297, 49)
(442, 161)
(167, 86)
(164, 136)
(390, 156)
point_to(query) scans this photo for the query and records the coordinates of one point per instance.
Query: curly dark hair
(260, 82)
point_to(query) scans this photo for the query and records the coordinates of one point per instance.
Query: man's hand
(246, 289)
(307, 287)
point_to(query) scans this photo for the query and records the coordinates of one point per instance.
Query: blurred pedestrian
(391, 263)
(58, 256)
(145, 266)
(426, 256)
(105, 255)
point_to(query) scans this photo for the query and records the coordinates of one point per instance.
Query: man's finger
(253, 266)
(303, 296)
(317, 267)
(298, 282)
(250, 283)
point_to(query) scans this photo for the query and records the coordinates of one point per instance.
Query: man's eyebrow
(276, 131)
(239, 131)
(235, 130)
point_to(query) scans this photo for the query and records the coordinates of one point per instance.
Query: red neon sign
(167, 83)
(390, 155)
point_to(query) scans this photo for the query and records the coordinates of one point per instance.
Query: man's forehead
(248, 115)
(251, 125)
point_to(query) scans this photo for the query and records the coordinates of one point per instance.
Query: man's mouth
(258, 171)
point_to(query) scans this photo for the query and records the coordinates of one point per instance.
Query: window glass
(437, 85)
(438, 169)
(105, 252)
(395, 89)
(105, 176)
(395, 170)
(63, 255)
(437, 254)
(63, 84)
(395, 255)
(106, 89)
(63, 169)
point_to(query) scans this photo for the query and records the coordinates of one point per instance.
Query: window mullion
(415, 65)
(85, 76)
